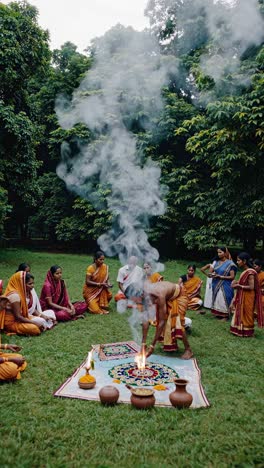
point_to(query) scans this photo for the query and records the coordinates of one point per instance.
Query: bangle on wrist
(5, 347)
(152, 346)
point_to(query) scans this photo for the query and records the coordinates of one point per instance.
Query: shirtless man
(171, 301)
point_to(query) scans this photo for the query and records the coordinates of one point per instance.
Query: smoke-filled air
(127, 78)
(124, 89)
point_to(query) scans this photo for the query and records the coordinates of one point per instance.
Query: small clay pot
(142, 398)
(109, 395)
(87, 385)
(180, 398)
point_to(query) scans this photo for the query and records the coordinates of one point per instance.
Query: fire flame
(140, 360)
(89, 358)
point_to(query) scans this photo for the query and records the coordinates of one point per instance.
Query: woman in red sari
(96, 289)
(54, 296)
(247, 303)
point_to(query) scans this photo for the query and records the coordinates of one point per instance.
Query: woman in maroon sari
(54, 295)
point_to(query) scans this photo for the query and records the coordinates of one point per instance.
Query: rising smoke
(123, 88)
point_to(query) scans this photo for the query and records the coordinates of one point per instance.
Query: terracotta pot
(142, 398)
(180, 398)
(86, 385)
(109, 395)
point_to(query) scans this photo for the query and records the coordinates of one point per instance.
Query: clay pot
(180, 398)
(87, 385)
(84, 383)
(109, 395)
(142, 398)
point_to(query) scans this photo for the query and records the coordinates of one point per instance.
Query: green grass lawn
(38, 430)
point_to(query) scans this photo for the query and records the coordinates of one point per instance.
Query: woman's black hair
(54, 268)
(22, 267)
(191, 266)
(258, 262)
(28, 277)
(221, 247)
(245, 256)
(98, 254)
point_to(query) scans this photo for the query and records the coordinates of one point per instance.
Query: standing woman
(222, 276)
(258, 265)
(96, 288)
(247, 303)
(15, 317)
(54, 296)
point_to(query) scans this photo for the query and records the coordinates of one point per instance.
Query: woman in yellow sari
(96, 288)
(258, 265)
(247, 303)
(192, 285)
(15, 317)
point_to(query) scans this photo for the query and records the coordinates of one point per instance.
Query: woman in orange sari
(10, 364)
(15, 318)
(192, 286)
(96, 288)
(258, 265)
(247, 303)
(149, 275)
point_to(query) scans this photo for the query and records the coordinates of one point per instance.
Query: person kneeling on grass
(171, 301)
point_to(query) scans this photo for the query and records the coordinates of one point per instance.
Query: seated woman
(258, 265)
(247, 303)
(149, 275)
(48, 319)
(192, 286)
(96, 288)
(10, 364)
(15, 317)
(54, 296)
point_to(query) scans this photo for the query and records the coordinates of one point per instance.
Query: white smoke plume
(124, 84)
(234, 25)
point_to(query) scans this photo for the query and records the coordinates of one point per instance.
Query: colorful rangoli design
(154, 374)
(122, 350)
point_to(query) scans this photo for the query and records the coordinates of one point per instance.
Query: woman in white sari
(44, 320)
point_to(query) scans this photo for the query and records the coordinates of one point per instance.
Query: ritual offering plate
(153, 374)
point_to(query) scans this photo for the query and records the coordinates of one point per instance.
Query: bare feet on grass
(188, 354)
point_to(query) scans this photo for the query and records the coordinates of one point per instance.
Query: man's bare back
(160, 293)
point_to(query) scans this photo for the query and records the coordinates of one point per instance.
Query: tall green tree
(24, 56)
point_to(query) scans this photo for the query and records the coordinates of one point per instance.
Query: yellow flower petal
(160, 387)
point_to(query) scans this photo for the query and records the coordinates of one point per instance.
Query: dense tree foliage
(208, 140)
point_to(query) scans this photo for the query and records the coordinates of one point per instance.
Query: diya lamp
(88, 381)
(141, 398)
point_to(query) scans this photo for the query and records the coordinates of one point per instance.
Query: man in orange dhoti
(171, 301)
